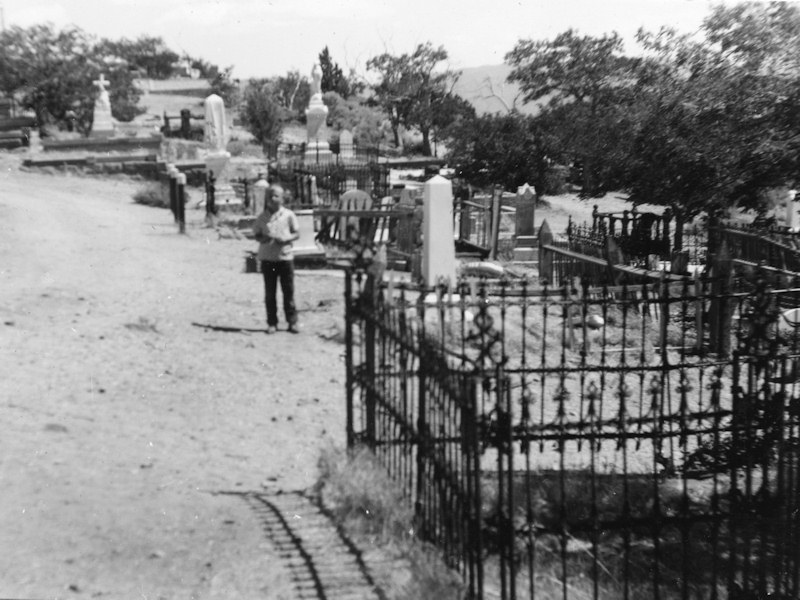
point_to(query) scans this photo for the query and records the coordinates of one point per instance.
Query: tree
(583, 79)
(262, 113)
(123, 95)
(498, 149)
(147, 54)
(293, 92)
(449, 111)
(333, 79)
(410, 89)
(52, 74)
(365, 122)
(225, 86)
(721, 118)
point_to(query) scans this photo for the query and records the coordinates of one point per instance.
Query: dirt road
(122, 417)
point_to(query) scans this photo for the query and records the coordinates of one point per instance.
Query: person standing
(275, 229)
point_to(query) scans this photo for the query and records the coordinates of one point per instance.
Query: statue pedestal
(317, 149)
(225, 198)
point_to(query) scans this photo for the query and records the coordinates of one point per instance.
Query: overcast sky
(271, 37)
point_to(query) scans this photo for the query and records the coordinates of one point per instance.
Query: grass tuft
(368, 505)
(150, 194)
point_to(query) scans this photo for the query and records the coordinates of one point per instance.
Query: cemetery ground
(123, 418)
(138, 386)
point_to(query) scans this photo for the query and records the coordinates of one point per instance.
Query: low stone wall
(121, 144)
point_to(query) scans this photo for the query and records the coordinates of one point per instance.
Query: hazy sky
(270, 37)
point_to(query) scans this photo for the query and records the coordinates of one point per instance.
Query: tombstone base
(225, 199)
(526, 254)
(101, 133)
(318, 155)
(527, 241)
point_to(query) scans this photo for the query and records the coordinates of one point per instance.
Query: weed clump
(367, 504)
(150, 195)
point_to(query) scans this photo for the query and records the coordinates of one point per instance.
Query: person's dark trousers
(283, 271)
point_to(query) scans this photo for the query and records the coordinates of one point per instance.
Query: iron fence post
(471, 447)
(370, 292)
(211, 209)
(422, 430)
(173, 191)
(181, 202)
(348, 354)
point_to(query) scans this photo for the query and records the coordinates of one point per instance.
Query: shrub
(555, 180)
(151, 195)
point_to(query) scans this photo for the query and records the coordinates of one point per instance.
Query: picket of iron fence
(586, 442)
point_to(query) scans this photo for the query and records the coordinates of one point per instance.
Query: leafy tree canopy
(293, 92)
(147, 54)
(262, 112)
(583, 84)
(333, 78)
(225, 86)
(497, 149)
(722, 114)
(366, 123)
(411, 89)
(51, 73)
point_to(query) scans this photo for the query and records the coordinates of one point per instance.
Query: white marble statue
(316, 80)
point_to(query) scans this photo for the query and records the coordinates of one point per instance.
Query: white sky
(262, 38)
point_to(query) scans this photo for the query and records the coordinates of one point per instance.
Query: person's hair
(276, 190)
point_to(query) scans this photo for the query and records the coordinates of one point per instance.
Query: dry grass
(151, 194)
(371, 509)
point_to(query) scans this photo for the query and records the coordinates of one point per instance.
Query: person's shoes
(271, 329)
(293, 329)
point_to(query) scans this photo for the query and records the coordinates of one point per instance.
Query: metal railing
(586, 442)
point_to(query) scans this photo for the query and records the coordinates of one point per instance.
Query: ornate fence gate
(583, 442)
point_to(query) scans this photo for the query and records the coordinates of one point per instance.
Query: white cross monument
(102, 123)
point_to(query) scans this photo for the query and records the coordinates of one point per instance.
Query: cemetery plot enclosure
(585, 442)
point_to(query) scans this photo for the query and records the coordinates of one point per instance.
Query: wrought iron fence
(586, 442)
(757, 245)
(323, 183)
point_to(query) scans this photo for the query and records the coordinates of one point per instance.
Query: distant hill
(486, 88)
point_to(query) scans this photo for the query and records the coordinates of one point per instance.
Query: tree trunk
(588, 176)
(396, 132)
(426, 143)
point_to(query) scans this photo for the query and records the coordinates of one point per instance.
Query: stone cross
(101, 83)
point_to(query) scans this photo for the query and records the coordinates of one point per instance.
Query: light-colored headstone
(346, 144)
(438, 244)
(102, 122)
(260, 188)
(525, 203)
